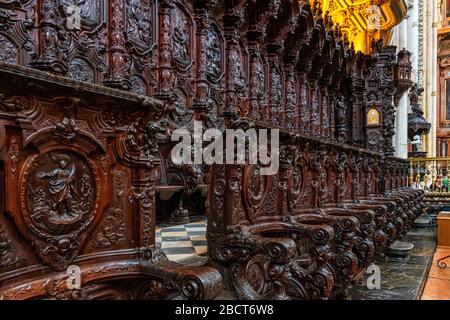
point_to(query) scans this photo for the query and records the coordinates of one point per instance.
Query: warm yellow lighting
(364, 20)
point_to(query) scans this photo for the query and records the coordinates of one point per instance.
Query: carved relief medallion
(256, 188)
(58, 193)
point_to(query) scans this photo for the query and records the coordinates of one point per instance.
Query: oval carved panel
(58, 197)
(256, 188)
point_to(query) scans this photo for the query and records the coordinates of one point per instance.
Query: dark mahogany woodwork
(86, 118)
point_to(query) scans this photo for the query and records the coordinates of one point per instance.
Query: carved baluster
(233, 65)
(143, 196)
(291, 112)
(325, 120)
(275, 111)
(117, 73)
(304, 110)
(200, 104)
(358, 111)
(331, 114)
(49, 45)
(314, 119)
(257, 78)
(165, 75)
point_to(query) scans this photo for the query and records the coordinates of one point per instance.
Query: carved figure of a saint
(213, 54)
(61, 186)
(181, 41)
(85, 7)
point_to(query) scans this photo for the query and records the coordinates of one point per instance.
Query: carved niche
(58, 197)
(139, 33)
(182, 63)
(214, 54)
(91, 11)
(276, 94)
(214, 73)
(181, 34)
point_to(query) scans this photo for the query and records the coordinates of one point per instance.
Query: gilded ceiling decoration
(364, 20)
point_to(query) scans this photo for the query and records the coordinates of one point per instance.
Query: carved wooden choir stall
(86, 116)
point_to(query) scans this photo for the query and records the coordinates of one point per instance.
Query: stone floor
(183, 242)
(438, 283)
(402, 278)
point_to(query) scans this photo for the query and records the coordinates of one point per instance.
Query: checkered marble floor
(182, 241)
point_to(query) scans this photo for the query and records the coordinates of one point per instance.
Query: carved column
(165, 74)
(117, 73)
(257, 77)
(49, 57)
(385, 63)
(200, 104)
(324, 109)
(290, 109)
(315, 96)
(275, 108)
(304, 110)
(233, 65)
(315, 108)
(358, 109)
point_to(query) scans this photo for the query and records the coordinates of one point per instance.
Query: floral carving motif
(113, 226)
(8, 52)
(7, 256)
(80, 70)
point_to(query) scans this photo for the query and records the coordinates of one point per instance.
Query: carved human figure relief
(138, 15)
(213, 54)
(236, 70)
(181, 38)
(60, 190)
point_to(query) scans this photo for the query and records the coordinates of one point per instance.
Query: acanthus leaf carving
(112, 229)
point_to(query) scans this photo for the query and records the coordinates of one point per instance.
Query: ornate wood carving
(83, 161)
(73, 151)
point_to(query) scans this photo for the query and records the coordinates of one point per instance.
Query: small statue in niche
(61, 187)
(340, 110)
(415, 93)
(417, 143)
(181, 41)
(85, 7)
(414, 96)
(138, 20)
(213, 54)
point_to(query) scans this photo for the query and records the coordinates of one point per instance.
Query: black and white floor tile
(182, 241)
